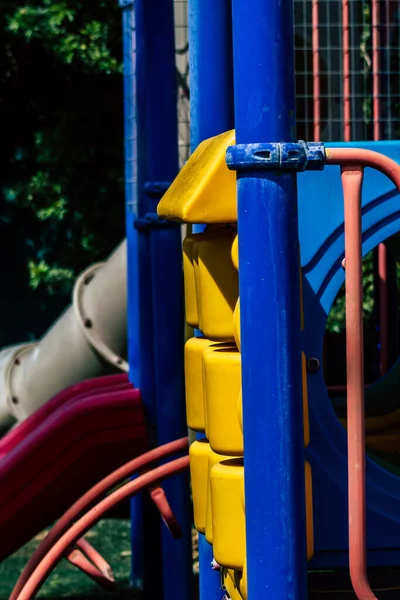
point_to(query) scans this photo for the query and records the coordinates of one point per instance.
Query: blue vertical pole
(270, 306)
(211, 113)
(210, 68)
(167, 284)
(140, 325)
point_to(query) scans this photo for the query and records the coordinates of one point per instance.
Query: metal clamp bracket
(156, 189)
(153, 221)
(293, 156)
(126, 3)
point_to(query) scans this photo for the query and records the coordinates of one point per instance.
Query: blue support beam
(171, 415)
(211, 113)
(140, 334)
(167, 284)
(210, 67)
(270, 306)
(155, 286)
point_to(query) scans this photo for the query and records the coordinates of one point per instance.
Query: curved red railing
(88, 520)
(90, 498)
(352, 162)
(78, 557)
(100, 419)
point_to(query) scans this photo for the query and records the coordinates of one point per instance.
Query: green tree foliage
(61, 120)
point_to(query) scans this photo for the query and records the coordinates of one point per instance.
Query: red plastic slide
(69, 444)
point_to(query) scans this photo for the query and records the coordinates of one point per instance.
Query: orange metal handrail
(352, 162)
(352, 178)
(382, 250)
(316, 70)
(346, 70)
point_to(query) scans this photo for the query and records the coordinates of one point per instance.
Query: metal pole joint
(124, 4)
(152, 221)
(291, 156)
(156, 189)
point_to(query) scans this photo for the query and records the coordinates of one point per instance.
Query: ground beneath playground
(111, 538)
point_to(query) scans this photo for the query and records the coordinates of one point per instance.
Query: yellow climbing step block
(222, 384)
(236, 324)
(213, 459)
(235, 253)
(198, 455)
(221, 346)
(228, 515)
(239, 408)
(194, 389)
(234, 583)
(236, 331)
(191, 310)
(205, 189)
(217, 284)
(243, 582)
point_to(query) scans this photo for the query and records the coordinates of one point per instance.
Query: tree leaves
(69, 30)
(61, 185)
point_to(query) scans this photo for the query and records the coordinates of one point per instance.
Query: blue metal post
(210, 67)
(141, 131)
(209, 579)
(211, 113)
(270, 306)
(167, 284)
(140, 349)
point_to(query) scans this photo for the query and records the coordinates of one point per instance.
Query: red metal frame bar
(346, 70)
(342, 388)
(89, 519)
(382, 250)
(98, 570)
(352, 177)
(96, 558)
(375, 69)
(364, 158)
(352, 162)
(160, 499)
(91, 498)
(316, 80)
(383, 308)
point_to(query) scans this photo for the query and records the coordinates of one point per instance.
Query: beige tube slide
(88, 340)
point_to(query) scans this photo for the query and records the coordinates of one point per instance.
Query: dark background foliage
(61, 192)
(61, 176)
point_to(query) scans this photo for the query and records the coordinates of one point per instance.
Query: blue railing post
(139, 309)
(167, 283)
(155, 286)
(211, 70)
(270, 306)
(211, 113)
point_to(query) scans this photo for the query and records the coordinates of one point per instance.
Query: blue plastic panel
(322, 250)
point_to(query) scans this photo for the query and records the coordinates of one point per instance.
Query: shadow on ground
(110, 537)
(336, 585)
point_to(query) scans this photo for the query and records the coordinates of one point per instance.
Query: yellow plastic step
(222, 384)
(205, 189)
(195, 415)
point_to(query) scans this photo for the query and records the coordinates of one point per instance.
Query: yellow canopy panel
(205, 189)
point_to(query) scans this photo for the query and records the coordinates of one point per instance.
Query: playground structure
(279, 224)
(88, 340)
